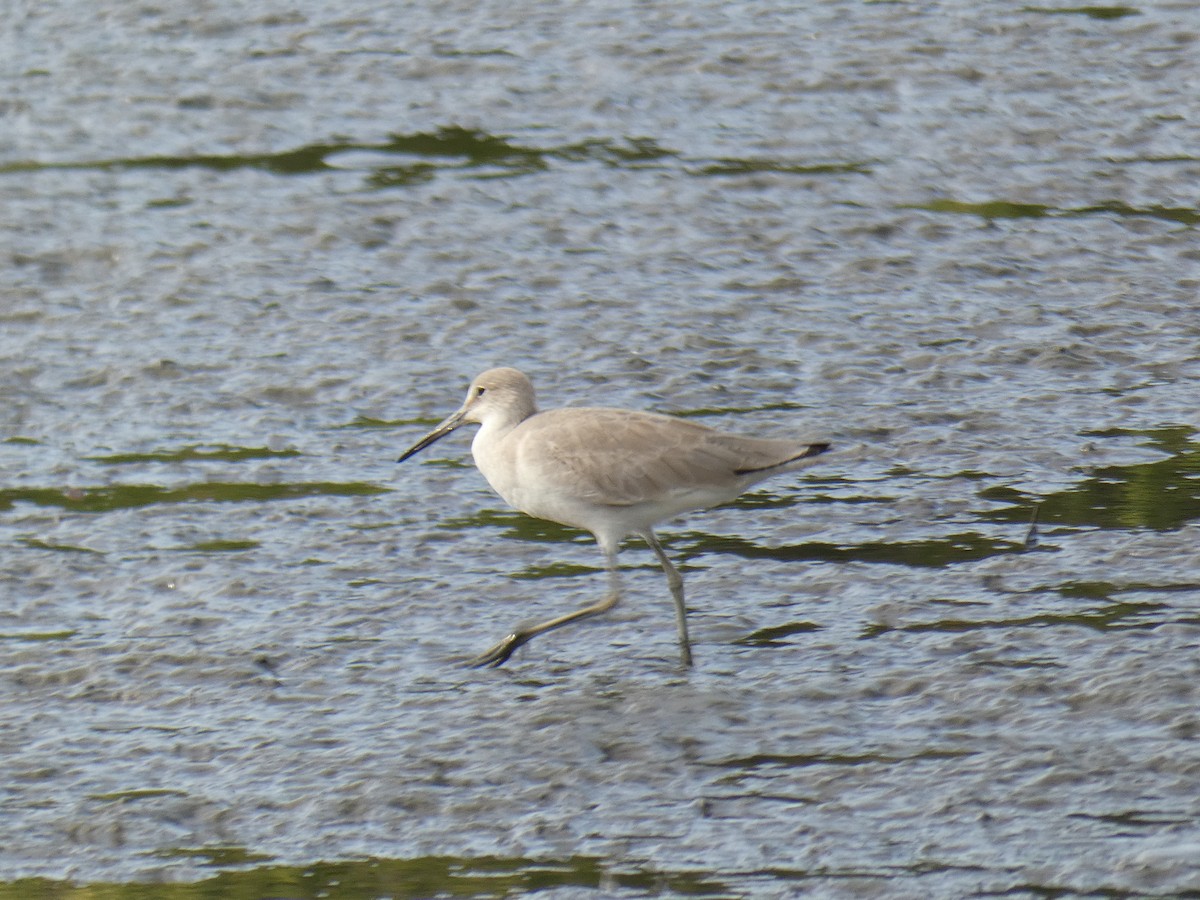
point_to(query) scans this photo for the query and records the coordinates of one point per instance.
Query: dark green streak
(1094, 12)
(224, 546)
(420, 156)
(130, 496)
(35, 544)
(804, 760)
(519, 526)
(774, 636)
(1162, 495)
(38, 636)
(956, 548)
(186, 454)
(139, 794)
(992, 209)
(936, 552)
(403, 879)
(755, 166)
(1003, 209)
(1114, 617)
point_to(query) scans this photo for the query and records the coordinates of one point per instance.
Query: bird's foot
(499, 654)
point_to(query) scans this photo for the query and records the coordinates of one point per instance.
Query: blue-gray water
(250, 253)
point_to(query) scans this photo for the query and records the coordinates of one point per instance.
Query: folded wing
(619, 458)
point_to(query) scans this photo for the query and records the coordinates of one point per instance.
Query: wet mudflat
(249, 256)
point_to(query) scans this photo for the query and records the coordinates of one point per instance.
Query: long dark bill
(437, 434)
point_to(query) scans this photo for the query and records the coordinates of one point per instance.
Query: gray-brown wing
(621, 457)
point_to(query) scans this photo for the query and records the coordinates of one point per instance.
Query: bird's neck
(494, 429)
(495, 457)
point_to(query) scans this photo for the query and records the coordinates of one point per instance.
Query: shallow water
(252, 255)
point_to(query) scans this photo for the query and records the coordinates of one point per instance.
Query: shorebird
(613, 472)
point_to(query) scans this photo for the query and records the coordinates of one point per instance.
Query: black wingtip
(813, 450)
(809, 451)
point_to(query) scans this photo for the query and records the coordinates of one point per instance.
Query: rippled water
(250, 254)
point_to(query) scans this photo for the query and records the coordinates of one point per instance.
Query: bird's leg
(675, 580)
(499, 654)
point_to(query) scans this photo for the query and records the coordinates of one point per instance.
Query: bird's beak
(440, 432)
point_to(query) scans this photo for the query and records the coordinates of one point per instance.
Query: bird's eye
(479, 391)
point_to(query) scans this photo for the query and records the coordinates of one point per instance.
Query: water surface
(250, 255)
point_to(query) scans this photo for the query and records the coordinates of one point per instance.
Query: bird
(611, 472)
